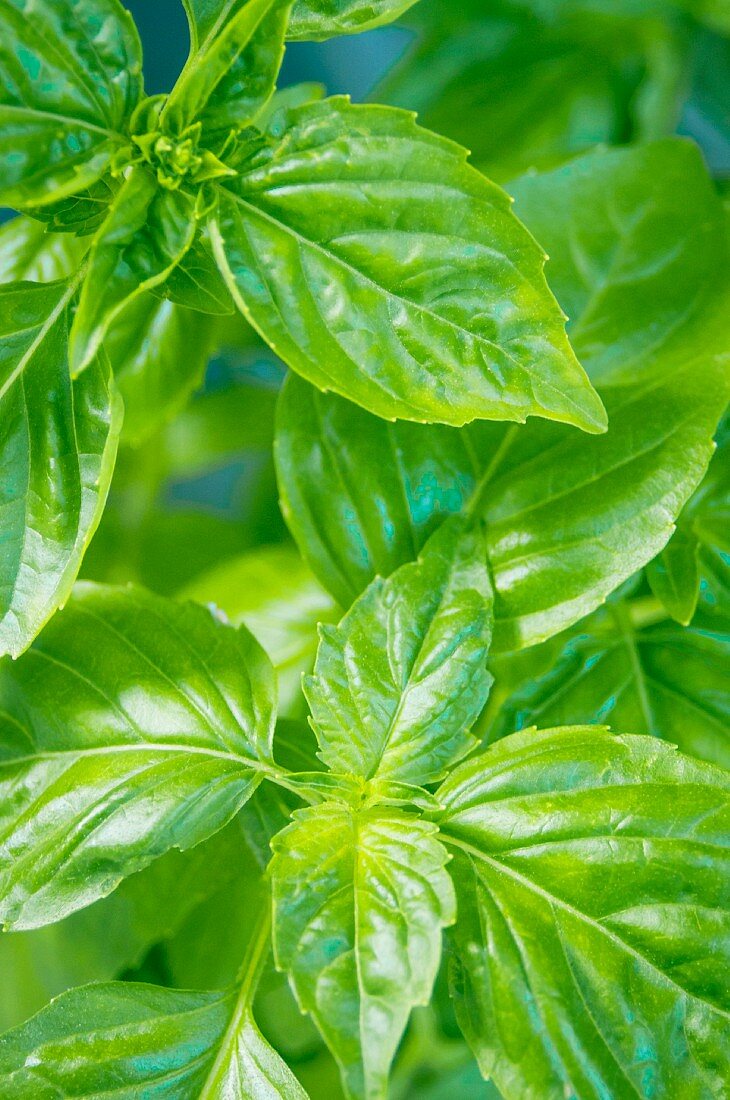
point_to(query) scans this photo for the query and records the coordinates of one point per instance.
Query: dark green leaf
(592, 887)
(133, 725)
(273, 592)
(148, 231)
(197, 283)
(132, 1040)
(236, 52)
(343, 242)
(399, 682)
(653, 679)
(70, 75)
(58, 443)
(320, 19)
(360, 898)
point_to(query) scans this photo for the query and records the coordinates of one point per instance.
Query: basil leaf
(343, 243)
(700, 544)
(196, 282)
(398, 683)
(70, 74)
(592, 889)
(159, 352)
(148, 231)
(321, 19)
(553, 79)
(29, 251)
(236, 52)
(653, 679)
(568, 518)
(274, 594)
(115, 934)
(129, 710)
(124, 1037)
(57, 448)
(360, 899)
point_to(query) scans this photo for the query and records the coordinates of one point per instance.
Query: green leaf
(568, 517)
(360, 898)
(133, 1039)
(148, 231)
(653, 679)
(592, 888)
(275, 595)
(320, 19)
(159, 352)
(196, 282)
(29, 251)
(70, 75)
(236, 51)
(133, 725)
(398, 683)
(553, 79)
(115, 934)
(700, 545)
(57, 448)
(343, 243)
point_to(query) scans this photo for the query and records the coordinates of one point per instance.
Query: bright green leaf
(148, 231)
(397, 685)
(320, 19)
(133, 1039)
(236, 52)
(674, 575)
(57, 448)
(380, 265)
(29, 251)
(70, 75)
(592, 887)
(133, 725)
(360, 898)
(568, 517)
(274, 594)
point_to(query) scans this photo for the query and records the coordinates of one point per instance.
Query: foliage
(341, 816)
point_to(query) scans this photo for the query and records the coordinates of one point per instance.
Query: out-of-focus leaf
(70, 75)
(58, 442)
(592, 886)
(399, 682)
(281, 602)
(360, 899)
(132, 726)
(343, 243)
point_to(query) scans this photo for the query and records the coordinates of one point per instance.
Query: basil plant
(427, 797)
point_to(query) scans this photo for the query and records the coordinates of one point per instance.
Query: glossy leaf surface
(149, 229)
(654, 679)
(133, 1039)
(29, 251)
(360, 899)
(132, 726)
(320, 19)
(398, 683)
(568, 517)
(380, 265)
(58, 443)
(592, 887)
(236, 51)
(70, 74)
